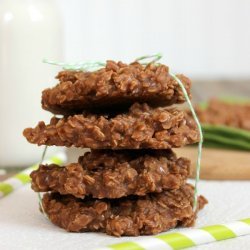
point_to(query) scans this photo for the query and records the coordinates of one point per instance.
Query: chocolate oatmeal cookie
(132, 216)
(141, 127)
(223, 113)
(116, 85)
(114, 174)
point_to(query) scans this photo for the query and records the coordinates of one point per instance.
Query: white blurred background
(203, 39)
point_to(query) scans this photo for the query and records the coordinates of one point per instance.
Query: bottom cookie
(131, 216)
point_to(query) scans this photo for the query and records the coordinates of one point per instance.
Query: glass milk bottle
(30, 30)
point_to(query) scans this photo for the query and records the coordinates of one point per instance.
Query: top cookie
(117, 84)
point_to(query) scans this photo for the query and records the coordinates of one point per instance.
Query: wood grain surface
(219, 164)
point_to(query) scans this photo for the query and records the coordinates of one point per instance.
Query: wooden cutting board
(219, 164)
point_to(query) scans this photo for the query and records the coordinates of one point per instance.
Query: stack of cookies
(131, 182)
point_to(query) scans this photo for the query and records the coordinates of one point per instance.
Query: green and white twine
(156, 58)
(144, 60)
(39, 194)
(198, 163)
(84, 66)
